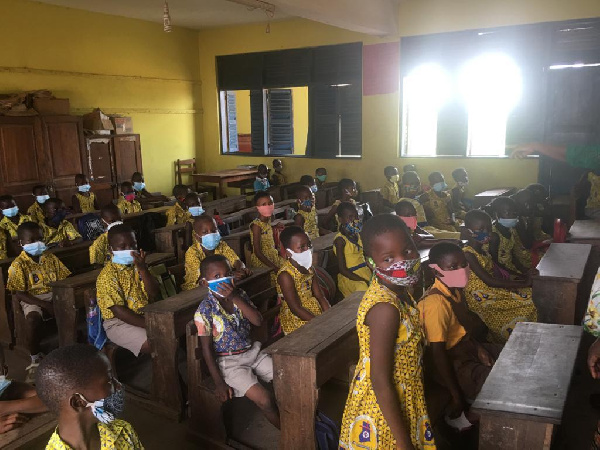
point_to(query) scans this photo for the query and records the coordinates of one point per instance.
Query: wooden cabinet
(128, 156)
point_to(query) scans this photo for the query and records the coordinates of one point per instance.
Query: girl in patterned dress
(386, 404)
(307, 212)
(264, 252)
(84, 201)
(438, 204)
(348, 191)
(297, 287)
(500, 303)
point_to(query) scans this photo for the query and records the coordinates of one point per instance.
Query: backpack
(327, 434)
(95, 331)
(90, 227)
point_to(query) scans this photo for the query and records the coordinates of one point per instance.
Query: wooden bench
(166, 322)
(524, 396)
(556, 287)
(485, 197)
(304, 360)
(36, 427)
(68, 295)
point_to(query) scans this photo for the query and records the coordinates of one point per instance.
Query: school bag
(90, 226)
(96, 334)
(327, 434)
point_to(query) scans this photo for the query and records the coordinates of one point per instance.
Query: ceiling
(193, 14)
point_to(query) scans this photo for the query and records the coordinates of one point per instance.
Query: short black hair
(6, 198)
(118, 230)
(345, 183)
(28, 227)
(307, 180)
(79, 176)
(378, 225)
(402, 206)
(441, 249)
(409, 168)
(65, 371)
(457, 172)
(320, 169)
(388, 171)
(409, 176)
(204, 218)
(36, 187)
(110, 208)
(277, 161)
(135, 174)
(180, 190)
(126, 184)
(259, 195)
(52, 201)
(476, 215)
(288, 233)
(499, 202)
(302, 188)
(262, 168)
(192, 196)
(432, 175)
(345, 206)
(212, 259)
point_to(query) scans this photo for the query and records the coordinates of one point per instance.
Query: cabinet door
(23, 161)
(128, 156)
(101, 168)
(65, 145)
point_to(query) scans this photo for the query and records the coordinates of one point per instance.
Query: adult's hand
(524, 150)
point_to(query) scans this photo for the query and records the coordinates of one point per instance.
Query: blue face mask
(508, 223)
(122, 257)
(41, 199)
(314, 188)
(196, 211)
(307, 203)
(107, 409)
(84, 188)
(211, 241)
(353, 227)
(213, 285)
(11, 212)
(440, 187)
(139, 186)
(35, 248)
(481, 236)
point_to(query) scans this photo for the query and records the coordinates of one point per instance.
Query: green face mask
(321, 178)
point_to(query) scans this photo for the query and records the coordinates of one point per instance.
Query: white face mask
(110, 225)
(304, 259)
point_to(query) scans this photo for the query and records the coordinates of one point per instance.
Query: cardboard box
(122, 125)
(52, 106)
(97, 121)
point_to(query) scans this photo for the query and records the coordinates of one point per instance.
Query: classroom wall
(124, 66)
(380, 112)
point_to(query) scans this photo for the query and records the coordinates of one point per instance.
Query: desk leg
(297, 397)
(65, 313)
(166, 387)
(220, 193)
(497, 432)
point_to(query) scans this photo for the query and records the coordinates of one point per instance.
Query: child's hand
(225, 290)
(139, 260)
(12, 421)
(241, 274)
(280, 226)
(224, 392)
(65, 243)
(484, 356)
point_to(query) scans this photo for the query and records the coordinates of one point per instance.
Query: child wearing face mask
(407, 212)
(456, 336)
(29, 278)
(500, 302)
(386, 402)
(438, 204)
(84, 201)
(208, 242)
(99, 250)
(307, 213)
(390, 190)
(354, 274)
(234, 360)
(261, 183)
(76, 383)
(139, 186)
(310, 183)
(178, 214)
(123, 288)
(58, 230)
(36, 210)
(297, 287)
(11, 217)
(459, 203)
(347, 190)
(127, 202)
(278, 178)
(264, 253)
(321, 176)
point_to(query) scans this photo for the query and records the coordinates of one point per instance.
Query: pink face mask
(266, 210)
(453, 278)
(411, 222)
(130, 197)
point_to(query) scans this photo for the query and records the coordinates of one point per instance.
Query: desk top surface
(494, 192)
(324, 242)
(533, 373)
(564, 261)
(227, 173)
(584, 230)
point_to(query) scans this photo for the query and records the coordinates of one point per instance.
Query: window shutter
(240, 72)
(281, 126)
(350, 111)
(337, 64)
(324, 122)
(257, 121)
(232, 132)
(287, 68)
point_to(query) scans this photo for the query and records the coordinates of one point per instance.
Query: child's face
(215, 271)
(453, 261)
(321, 172)
(80, 181)
(412, 186)
(351, 190)
(51, 209)
(348, 216)
(7, 204)
(506, 211)
(436, 178)
(478, 226)
(264, 201)
(101, 384)
(204, 227)
(28, 237)
(392, 173)
(40, 191)
(126, 190)
(277, 165)
(193, 201)
(111, 217)
(300, 243)
(406, 211)
(391, 247)
(137, 178)
(462, 177)
(304, 196)
(123, 241)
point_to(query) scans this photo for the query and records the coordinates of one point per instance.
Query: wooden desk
(555, 288)
(224, 176)
(165, 324)
(525, 393)
(483, 198)
(67, 298)
(585, 231)
(304, 360)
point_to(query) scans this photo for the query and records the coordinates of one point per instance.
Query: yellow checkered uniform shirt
(128, 207)
(65, 230)
(195, 255)
(25, 275)
(177, 215)
(3, 254)
(120, 285)
(99, 252)
(117, 435)
(10, 227)
(36, 213)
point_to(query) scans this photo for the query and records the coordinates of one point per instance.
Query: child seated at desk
(29, 278)
(139, 185)
(390, 191)
(354, 274)
(261, 183)
(309, 182)
(409, 168)
(11, 217)
(386, 406)
(99, 250)
(347, 189)
(457, 337)
(500, 303)
(278, 178)
(124, 287)
(177, 213)
(438, 204)
(36, 210)
(84, 201)
(459, 204)
(540, 207)
(307, 213)
(224, 320)
(58, 230)
(298, 289)
(207, 243)
(264, 252)
(127, 202)
(76, 383)
(407, 212)
(321, 176)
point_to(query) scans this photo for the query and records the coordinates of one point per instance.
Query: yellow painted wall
(123, 66)
(300, 105)
(380, 112)
(242, 104)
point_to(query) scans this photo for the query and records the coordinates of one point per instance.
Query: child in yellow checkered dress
(264, 252)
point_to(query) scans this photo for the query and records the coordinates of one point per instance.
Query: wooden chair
(188, 166)
(178, 273)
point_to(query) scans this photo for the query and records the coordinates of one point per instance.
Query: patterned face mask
(107, 409)
(353, 227)
(401, 273)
